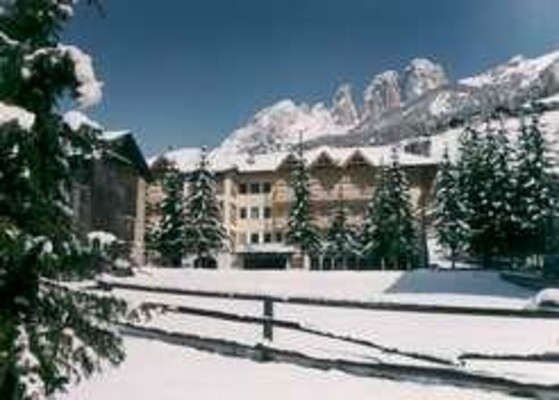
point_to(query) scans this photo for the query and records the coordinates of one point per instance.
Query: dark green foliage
(389, 235)
(204, 234)
(534, 206)
(170, 232)
(49, 332)
(340, 243)
(449, 211)
(301, 231)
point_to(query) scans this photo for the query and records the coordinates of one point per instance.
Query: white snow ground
(465, 288)
(440, 335)
(155, 370)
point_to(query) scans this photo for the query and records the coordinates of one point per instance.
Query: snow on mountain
(518, 71)
(422, 76)
(421, 101)
(344, 112)
(382, 95)
(279, 126)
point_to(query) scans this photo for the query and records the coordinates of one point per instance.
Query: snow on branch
(22, 117)
(89, 90)
(29, 379)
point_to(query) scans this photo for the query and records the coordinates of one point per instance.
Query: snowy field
(465, 288)
(452, 338)
(155, 370)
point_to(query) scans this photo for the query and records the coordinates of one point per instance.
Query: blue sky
(187, 72)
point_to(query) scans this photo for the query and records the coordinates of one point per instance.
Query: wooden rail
(354, 304)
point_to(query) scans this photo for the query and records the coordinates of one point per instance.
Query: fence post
(268, 319)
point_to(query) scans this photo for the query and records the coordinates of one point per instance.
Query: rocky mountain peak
(343, 108)
(422, 76)
(383, 94)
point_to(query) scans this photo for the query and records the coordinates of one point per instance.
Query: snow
(10, 113)
(104, 238)
(114, 135)
(547, 298)
(89, 91)
(187, 158)
(163, 371)
(473, 288)
(76, 120)
(528, 69)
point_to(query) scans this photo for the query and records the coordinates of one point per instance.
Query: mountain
(419, 101)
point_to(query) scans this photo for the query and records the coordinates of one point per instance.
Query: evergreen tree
(50, 333)
(204, 231)
(169, 238)
(534, 203)
(389, 236)
(499, 191)
(449, 212)
(301, 231)
(340, 243)
(472, 188)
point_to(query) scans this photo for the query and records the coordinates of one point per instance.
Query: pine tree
(534, 205)
(301, 231)
(473, 189)
(389, 235)
(204, 233)
(499, 190)
(169, 237)
(340, 243)
(50, 333)
(449, 212)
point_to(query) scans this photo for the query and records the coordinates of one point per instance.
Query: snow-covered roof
(76, 119)
(186, 159)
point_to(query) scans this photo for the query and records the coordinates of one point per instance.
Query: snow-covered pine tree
(301, 231)
(169, 235)
(204, 233)
(340, 243)
(534, 205)
(498, 183)
(472, 188)
(50, 333)
(449, 212)
(389, 236)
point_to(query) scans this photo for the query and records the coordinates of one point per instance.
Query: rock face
(420, 101)
(382, 95)
(422, 76)
(277, 127)
(343, 110)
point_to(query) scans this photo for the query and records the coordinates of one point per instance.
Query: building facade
(255, 196)
(109, 194)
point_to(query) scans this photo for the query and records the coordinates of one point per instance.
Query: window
(243, 213)
(267, 213)
(254, 188)
(254, 212)
(254, 238)
(242, 188)
(267, 237)
(266, 187)
(279, 237)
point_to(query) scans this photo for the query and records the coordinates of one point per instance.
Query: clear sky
(187, 72)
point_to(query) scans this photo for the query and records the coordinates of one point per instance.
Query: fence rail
(353, 304)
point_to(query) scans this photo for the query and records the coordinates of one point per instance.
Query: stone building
(109, 195)
(255, 198)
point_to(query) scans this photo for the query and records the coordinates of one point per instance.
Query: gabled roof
(187, 158)
(124, 148)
